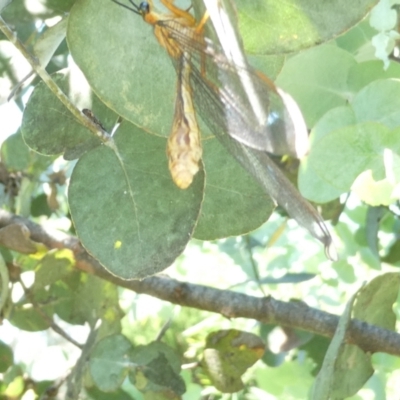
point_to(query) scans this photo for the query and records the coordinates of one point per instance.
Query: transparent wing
(212, 109)
(221, 99)
(266, 118)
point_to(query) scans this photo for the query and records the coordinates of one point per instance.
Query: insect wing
(278, 133)
(258, 114)
(259, 164)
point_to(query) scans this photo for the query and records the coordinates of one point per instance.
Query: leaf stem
(41, 71)
(47, 318)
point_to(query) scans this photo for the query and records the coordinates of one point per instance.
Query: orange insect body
(182, 17)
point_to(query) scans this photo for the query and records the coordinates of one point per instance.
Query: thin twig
(41, 71)
(51, 323)
(75, 379)
(254, 266)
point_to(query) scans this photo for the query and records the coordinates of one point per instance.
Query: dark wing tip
(330, 250)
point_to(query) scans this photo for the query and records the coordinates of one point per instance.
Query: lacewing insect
(243, 108)
(184, 145)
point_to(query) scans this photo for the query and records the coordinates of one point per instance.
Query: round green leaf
(126, 209)
(27, 317)
(337, 138)
(123, 62)
(271, 65)
(317, 79)
(52, 267)
(15, 153)
(109, 362)
(312, 184)
(265, 28)
(228, 354)
(83, 298)
(49, 128)
(379, 102)
(158, 368)
(234, 203)
(363, 144)
(357, 39)
(362, 74)
(375, 301)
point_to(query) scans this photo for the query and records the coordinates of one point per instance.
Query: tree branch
(230, 304)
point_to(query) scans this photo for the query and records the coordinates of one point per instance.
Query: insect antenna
(135, 9)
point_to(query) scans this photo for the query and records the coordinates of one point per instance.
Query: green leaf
(127, 211)
(156, 371)
(362, 74)
(48, 42)
(384, 191)
(316, 349)
(342, 135)
(270, 65)
(317, 80)
(364, 144)
(352, 369)
(40, 206)
(86, 298)
(14, 67)
(144, 96)
(49, 128)
(375, 301)
(291, 380)
(15, 153)
(346, 368)
(23, 200)
(393, 255)
(265, 28)
(52, 267)
(345, 271)
(109, 362)
(374, 216)
(379, 102)
(27, 317)
(234, 203)
(134, 76)
(144, 354)
(311, 184)
(60, 6)
(6, 357)
(227, 356)
(358, 39)
(154, 368)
